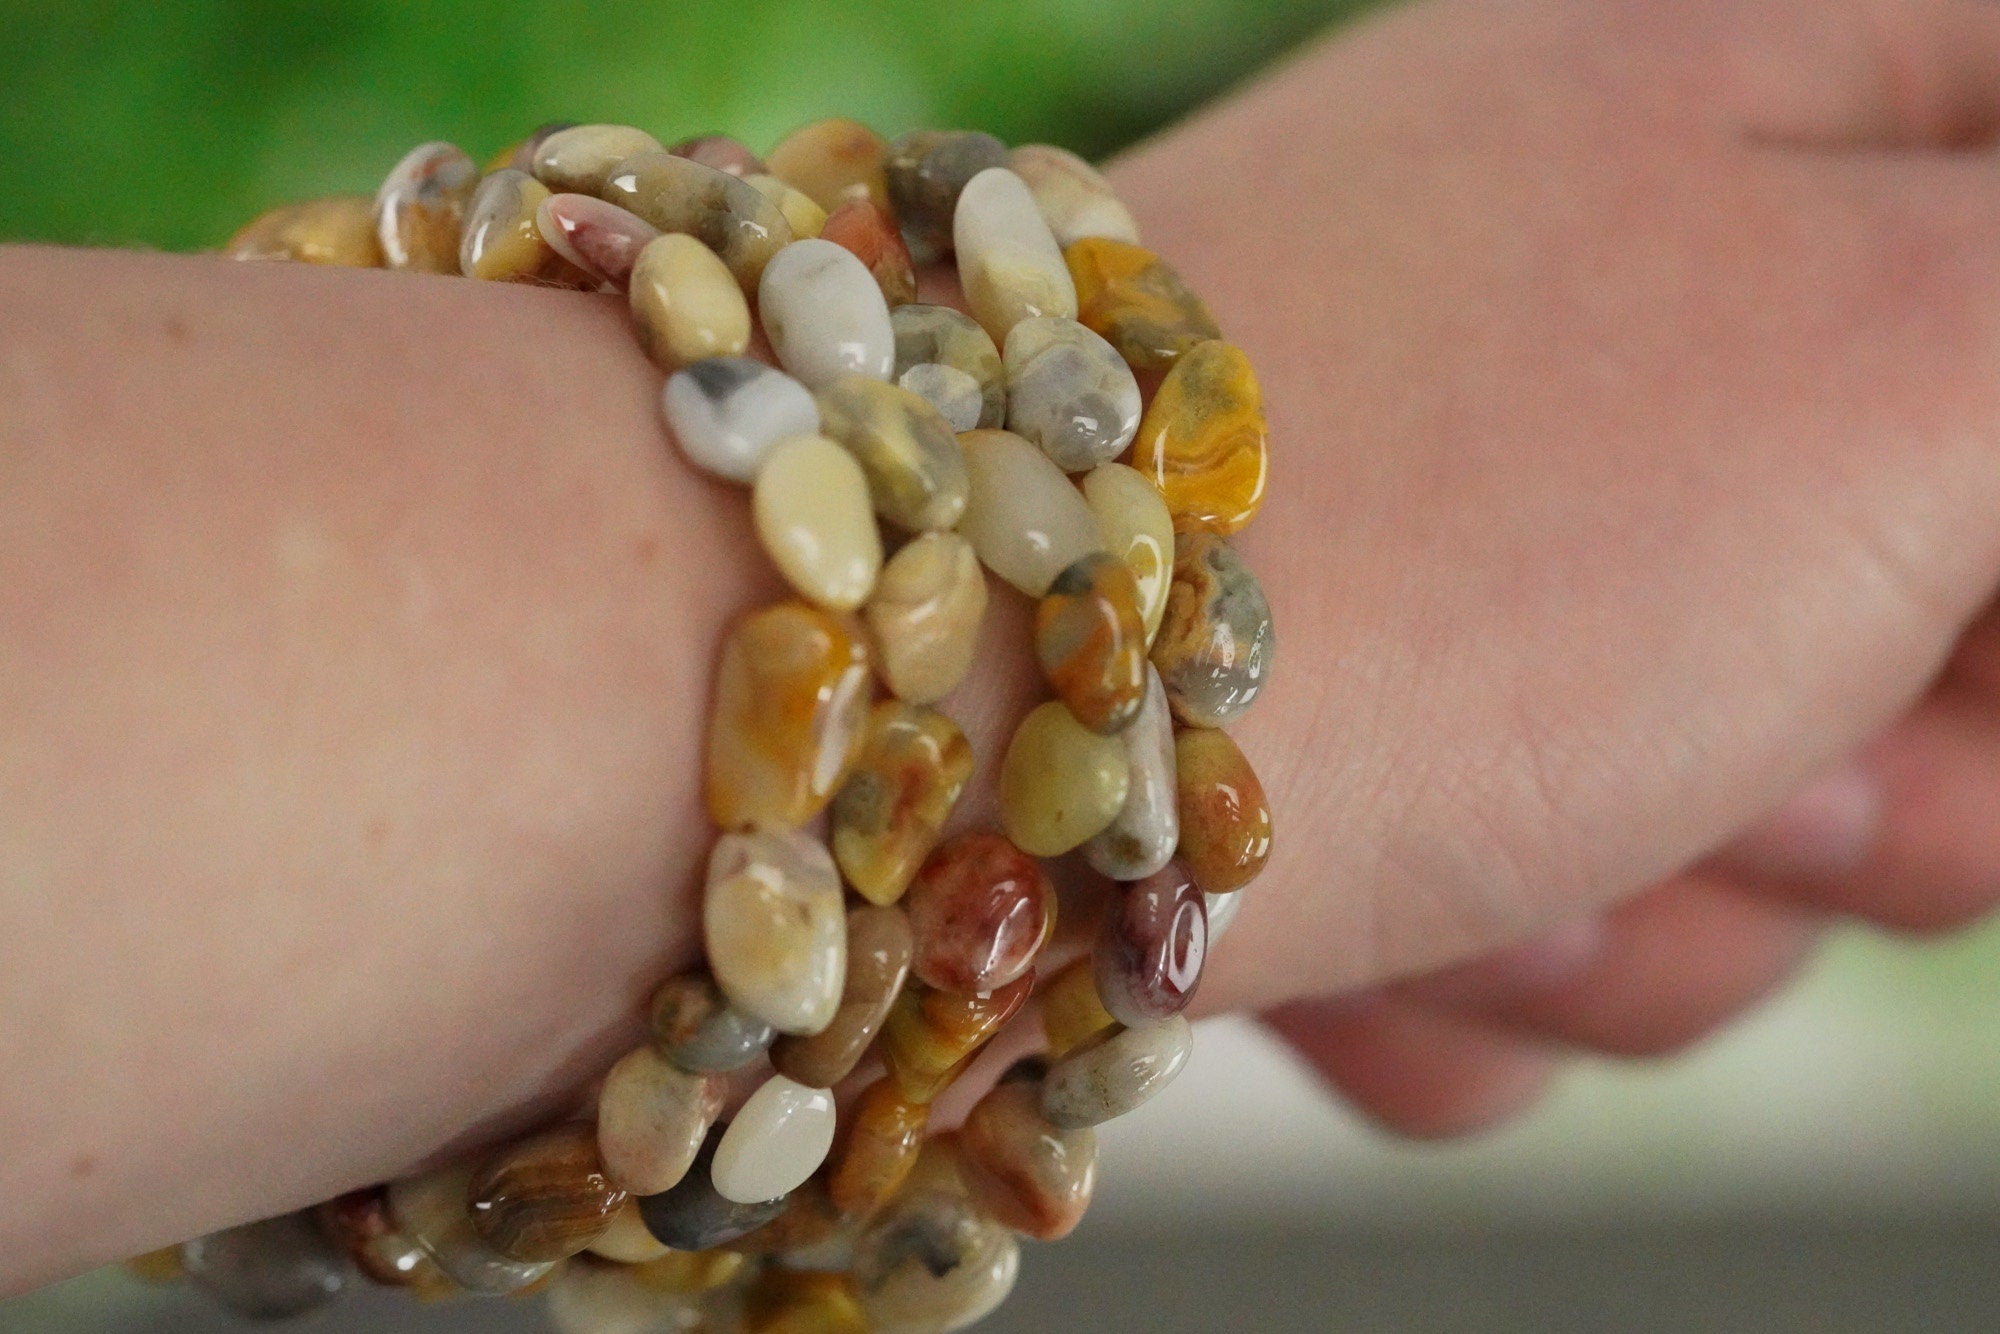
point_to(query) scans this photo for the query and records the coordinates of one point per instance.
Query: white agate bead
(1142, 836)
(1008, 260)
(776, 928)
(727, 412)
(1025, 520)
(825, 315)
(1222, 910)
(1115, 1072)
(816, 522)
(778, 1139)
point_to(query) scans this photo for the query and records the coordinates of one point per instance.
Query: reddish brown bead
(1225, 818)
(931, 1036)
(1027, 1174)
(359, 1224)
(1091, 641)
(545, 1197)
(879, 1145)
(867, 229)
(1150, 950)
(981, 909)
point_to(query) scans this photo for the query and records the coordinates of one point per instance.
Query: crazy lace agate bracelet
(903, 450)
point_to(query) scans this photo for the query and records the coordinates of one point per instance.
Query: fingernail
(1823, 830)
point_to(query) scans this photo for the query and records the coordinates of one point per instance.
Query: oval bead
(815, 523)
(1140, 305)
(433, 1211)
(802, 215)
(931, 1035)
(358, 1224)
(727, 412)
(1075, 199)
(600, 239)
(1060, 783)
(651, 1119)
(420, 209)
(723, 212)
(951, 391)
(924, 619)
(721, 152)
(775, 928)
(883, 1137)
(889, 815)
(867, 230)
(1069, 392)
(339, 230)
(502, 241)
(1092, 644)
(925, 172)
(269, 1270)
(545, 1197)
(824, 314)
(833, 161)
(694, 1216)
(695, 1027)
(1072, 1011)
(1025, 1173)
(1142, 836)
(626, 1240)
(1114, 1073)
(1151, 947)
(685, 304)
(791, 702)
(581, 158)
(1009, 265)
(1133, 520)
(1203, 440)
(916, 473)
(931, 1264)
(779, 1138)
(878, 962)
(980, 910)
(1225, 818)
(1215, 644)
(940, 336)
(1025, 520)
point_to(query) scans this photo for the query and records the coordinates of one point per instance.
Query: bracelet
(903, 450)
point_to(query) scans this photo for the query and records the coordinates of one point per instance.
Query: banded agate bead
(824, 314)
(866, 228)
(916, 472)
(720, 151)
(1060, 783)
(924, 619)
(940, 336)
(931, 1264)
(1027, 1174)
(785, 1301)
(1144, 833)
(813, 517)
(1092, 644)
(433, 1210)
(269, 1270)
(727, 413)
(1140, 305)
(779, 1137)
(1114, 1073)
(579, 159)
(420, 209)
(834, 162)
(1133, 520)
(1151, 947)
(1075, 199)
(791, 702)
(1009, 266)
(1025, 520)
(600, 239)
(651, 1119)
(1215, 644)
(696, 1028)
(1072, 1011)
(879, 943)
(925, 172)
(775, 929)
(685, 304)
(981, 910)
(626, 1240)
(1225, 817)
(802, 215)
(501, 241)
(358, 1223)
(883, 1137)
(1203, 440)
(1069, 392)
(931, 1035)
(889, 815)
(339, 230)
(545, 1197)
(723, 212)
(694, 1216)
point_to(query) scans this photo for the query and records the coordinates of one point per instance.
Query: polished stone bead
(1023, 1172)
(924, 619)
(779, 1137)
(1216, 643)
(931, 1035)
(868, 229)
(938, 335)
(815, 522)
(791, 704)
(1069, 392)
(1115, 1072)
(981, 910)
(834, 161)
(916, 472)
(434, 1211)
(1222, 910)
(685, 304)
(727, 413)
(722, 153)
(1008, 264)
(1151, 946)
(1137, 302)
(600, 239)
(925, 171)
(545, 1197)
(802, 215)
(626, 1240)
(696, 1027)
(824, 315)
(502, 242)
(785, 1301)
(1072, 1011)
(1060, 783)
(883, 1135)
(1203, 440)
(339, 230)
(420, 209)
(951, 391)
(581, 158)
(776, 931)
(359, 1224)
(270, 1270)
(932, 1264)
(1075, 199)
(1143, 835)
(1092, 644)
(651, 1119)
(694, 1216)
(723, 212)
(691, 1273)
(520, 155)
(1025, 520)
(591, 1297)
(809, 1234)
(888, 817)
(1133, 520)
(878, 962)
(1225, 817)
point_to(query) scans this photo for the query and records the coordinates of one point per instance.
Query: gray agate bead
(941, 336)
(270, 1270)
(694, 1216)
(727, 413)
(1070, 392)
(696, 1027)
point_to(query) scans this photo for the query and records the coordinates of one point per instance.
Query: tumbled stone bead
(938, 335)
(545, 1197)
(916, 473)
(1133, 520)
(1092, 644)
(925, 171)
(359, 1224)
(867, 229)
(779, 1137)
(694, 1216)
(433, 1210)
(1072, 1011)
(696, 1027)
(520, 155)
(581, 158)
(1060, 783)
(802, 215)
(1025, 520)
(723, 212)
(651, 1119)
(931, 1035)
(1151, 946)
(722, 153)
(883, 1135)
(815, 522)
(824, 315)
(980, 909)
(878, 961)
(1215, 644)
(791, 702)
(931, 1264)
(1069, 392)
(923, 621)
(952, 392)
(1025, 1173)
(1222, 910)
(600, 239)
(626, 1240)
(501, 241)
(337, 230)
(1142, 836)
(809, 1234)
(727, 412)
(269, 1270)
(1203, 440)
(834, 161)
(784, 1301)
(776, 932)
(1115, 1072)
(691, 1273)
(1225, 818)
(420, 208)
(1075, 199)
(595, 1298)
(685, 303)
(1008, 264)
(1137, 302)
(889, 815)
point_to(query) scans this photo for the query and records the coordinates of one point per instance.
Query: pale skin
(1634, 380)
